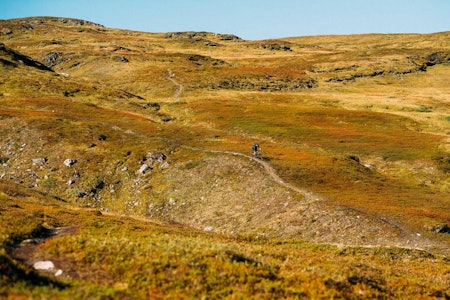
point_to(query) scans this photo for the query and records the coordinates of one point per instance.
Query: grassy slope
(113, 256)
(235, 93)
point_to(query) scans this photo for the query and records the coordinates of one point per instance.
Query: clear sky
(249, 19)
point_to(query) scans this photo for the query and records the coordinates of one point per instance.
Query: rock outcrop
(13, 57)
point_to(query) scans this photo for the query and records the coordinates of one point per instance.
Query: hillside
(122, 138)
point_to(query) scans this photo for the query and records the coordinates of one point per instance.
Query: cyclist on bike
(256, 150)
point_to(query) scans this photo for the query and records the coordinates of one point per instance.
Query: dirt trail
(309, 196)
(170, 76)
(26, 251)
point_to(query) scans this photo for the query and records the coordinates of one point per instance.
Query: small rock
(30, 242)
(121, 58)
(144, 168)
(43, 265)
(164, 166)
(69, 162)
(162, 158)
(208, 228)
(58, 273)
(39, 161)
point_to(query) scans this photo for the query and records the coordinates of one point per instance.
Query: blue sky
(249, 19)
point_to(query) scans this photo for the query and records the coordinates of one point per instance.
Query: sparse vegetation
(128, 164)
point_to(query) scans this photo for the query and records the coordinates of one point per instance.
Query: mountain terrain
(125, 160)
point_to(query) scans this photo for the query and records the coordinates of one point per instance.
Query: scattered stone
(208, 228)
(58, 273)
(39, 161)
(229, 37)
(102, 137)
(44, 265)
(69, 162)
(70, 182)
(50, 60)
(121, 59)
(6, 31)
(164, 166)
(210, 44)
(275, 47)
(162, 158)
(30, 242)
(144, 169)
(153, 105)
(81, 194)
(188, 35)
(98, 187)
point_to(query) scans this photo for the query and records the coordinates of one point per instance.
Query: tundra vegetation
(125, 161)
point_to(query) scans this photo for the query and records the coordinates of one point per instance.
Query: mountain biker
(256, 150)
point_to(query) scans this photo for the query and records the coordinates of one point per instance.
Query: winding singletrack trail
(179, 90)
(309, 196)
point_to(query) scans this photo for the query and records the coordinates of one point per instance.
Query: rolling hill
(126, 160)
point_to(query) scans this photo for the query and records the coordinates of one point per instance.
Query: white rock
(39, 161)
(208, 228)
(143, 169)
(59, 272)
(69, 162)
(43, 265)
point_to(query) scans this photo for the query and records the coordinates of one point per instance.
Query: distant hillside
(154, 131)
